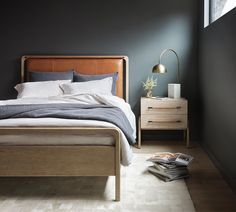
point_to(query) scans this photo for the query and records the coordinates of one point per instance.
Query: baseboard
(218, 165)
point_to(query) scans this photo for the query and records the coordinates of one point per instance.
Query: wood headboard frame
(109, 64)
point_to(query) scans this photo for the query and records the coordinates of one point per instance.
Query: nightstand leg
(139, 133)
(187, 137)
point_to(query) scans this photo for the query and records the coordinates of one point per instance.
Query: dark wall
(217, 77)
(139, 29)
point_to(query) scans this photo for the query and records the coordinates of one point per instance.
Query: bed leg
(117, 188)
(117, 169)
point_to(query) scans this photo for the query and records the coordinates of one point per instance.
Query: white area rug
(140, 191)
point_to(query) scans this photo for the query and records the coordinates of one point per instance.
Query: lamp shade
(159, 68)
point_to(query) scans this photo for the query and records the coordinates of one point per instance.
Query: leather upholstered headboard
(90, 65)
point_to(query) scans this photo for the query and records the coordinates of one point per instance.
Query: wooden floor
(207, 188)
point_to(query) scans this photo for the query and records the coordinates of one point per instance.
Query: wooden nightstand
(164, 114)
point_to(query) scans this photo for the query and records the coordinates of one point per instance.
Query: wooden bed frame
(80, 160)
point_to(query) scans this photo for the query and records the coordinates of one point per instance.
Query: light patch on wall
(173, 32)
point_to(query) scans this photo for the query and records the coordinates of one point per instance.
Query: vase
(149, 93)
(174, 91)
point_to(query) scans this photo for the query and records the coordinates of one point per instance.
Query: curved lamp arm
(171, 50)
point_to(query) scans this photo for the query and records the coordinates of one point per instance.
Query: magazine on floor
(170, 166)
(166, 178)
(171, 158)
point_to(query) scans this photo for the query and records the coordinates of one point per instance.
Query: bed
(67, 158)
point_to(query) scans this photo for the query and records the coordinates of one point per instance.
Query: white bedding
(126, 153)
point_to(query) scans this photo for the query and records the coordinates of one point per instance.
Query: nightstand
(164, 114)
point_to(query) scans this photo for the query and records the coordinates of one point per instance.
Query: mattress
(14, 139)
(39, 139)
(34, 139)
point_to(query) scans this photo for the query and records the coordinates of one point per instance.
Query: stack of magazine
(170, 166)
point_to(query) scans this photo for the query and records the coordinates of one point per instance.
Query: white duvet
(126, 152)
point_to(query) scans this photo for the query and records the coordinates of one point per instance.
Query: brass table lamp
(173, 89)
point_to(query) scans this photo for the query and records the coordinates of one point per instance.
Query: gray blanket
(106, 113)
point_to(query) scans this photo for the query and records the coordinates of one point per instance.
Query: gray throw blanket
(106, 113)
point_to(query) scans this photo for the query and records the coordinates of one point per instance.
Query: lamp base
(174, 91)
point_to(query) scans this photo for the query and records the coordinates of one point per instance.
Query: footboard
(61, 160)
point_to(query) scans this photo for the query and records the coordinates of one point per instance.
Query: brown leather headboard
(82, 64)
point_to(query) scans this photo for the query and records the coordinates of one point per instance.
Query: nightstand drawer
(164, 122)
(153, 106)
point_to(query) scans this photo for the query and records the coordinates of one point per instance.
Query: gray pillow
(35, 76)
(84, 78)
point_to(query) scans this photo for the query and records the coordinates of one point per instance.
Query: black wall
(139, 29)
(217, 77)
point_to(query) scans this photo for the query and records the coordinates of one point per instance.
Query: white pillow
(102, 86)
(40, 89)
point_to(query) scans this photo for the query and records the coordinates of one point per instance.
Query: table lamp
(174, 89)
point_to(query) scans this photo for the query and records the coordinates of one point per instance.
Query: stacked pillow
(84, 78)
(47, 84)
(43, 89)
(34, 76)
(103, 86)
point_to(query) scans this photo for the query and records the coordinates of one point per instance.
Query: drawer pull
(157, 108)
(178, 121)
